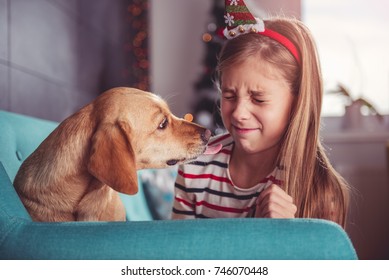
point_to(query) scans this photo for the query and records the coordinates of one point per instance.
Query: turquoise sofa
(142, 237)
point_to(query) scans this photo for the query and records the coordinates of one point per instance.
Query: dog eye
(163, 124)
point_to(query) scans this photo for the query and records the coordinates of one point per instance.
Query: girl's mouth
(241, 130)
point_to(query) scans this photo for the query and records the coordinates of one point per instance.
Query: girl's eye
(228, 96)
(163, 124)
(258, 100)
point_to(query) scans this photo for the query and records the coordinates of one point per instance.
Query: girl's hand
(274, 202)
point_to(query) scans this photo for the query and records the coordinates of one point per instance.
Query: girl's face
(255, 105)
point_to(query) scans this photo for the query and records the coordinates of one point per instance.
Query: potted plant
(354, 119)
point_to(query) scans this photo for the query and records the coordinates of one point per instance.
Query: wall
(176, 28)
(57, 55)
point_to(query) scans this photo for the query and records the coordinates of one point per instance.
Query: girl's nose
(241, 110)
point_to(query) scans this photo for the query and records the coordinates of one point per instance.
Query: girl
(272, 163)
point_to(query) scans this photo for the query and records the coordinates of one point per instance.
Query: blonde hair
(317, 189)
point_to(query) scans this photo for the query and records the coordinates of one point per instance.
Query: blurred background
(58, 55)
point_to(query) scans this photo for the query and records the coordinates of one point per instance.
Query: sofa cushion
(158, 185)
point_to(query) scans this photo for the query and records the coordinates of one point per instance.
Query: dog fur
(76, 172)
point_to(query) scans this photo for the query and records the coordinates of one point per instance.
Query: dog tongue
(211, 150)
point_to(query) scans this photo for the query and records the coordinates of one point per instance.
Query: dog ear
(112, 159)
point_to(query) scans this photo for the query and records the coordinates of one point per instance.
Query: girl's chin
(246, 146)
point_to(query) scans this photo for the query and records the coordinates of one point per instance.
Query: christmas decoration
(239, 20)
(136, 47)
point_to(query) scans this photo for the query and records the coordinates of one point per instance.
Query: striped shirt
(204, 188)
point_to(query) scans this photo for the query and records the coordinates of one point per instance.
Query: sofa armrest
(188, 239)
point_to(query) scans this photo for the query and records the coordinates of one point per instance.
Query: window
(353, 43)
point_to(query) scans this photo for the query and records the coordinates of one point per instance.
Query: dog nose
(206, 135)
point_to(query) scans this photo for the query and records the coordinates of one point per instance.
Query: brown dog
(75, 173)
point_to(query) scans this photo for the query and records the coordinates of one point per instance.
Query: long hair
(308, 176)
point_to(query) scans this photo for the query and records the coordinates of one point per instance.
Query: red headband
(283, 41)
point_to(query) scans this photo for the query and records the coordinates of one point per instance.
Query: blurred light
(188, 117)
(212, 27)
(204, 118)
(207, 37)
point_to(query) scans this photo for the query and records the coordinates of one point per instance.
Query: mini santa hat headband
(240, 21)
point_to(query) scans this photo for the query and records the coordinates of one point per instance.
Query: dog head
(136, 130)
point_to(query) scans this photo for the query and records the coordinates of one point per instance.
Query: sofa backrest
(19, 137)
